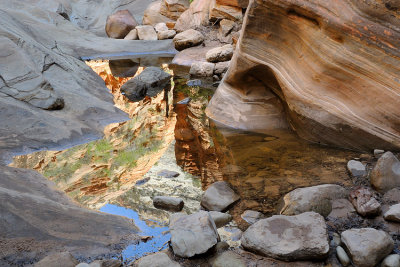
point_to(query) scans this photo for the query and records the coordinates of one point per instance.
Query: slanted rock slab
(393, 214)
(218, 196)
(159, 259)
(188, 39)
(315, 198)
(289, 238)
(386, 173)
(192, 234)
(367, 246)
(168, 203)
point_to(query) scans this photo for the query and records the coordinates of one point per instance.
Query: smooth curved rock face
(120, 24)
(192, 234)
(367, 246)
(328, 72)
(315, 198)
(386, 173)
(288, 238)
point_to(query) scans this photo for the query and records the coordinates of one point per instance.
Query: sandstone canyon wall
(330, 70)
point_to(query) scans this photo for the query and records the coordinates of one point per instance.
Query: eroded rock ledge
(328, 68)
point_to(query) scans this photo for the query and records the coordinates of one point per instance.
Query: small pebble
(342, 256)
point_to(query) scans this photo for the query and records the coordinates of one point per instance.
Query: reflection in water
(159, 235)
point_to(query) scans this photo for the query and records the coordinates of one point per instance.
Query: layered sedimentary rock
(330, 69)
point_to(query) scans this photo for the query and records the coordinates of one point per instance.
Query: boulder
(342, 256)
(337, 106)
(161, 27)
(392, 196)
(159, 259)
(192, 234)
(364, 202)
(315, 198)
(149, 82)
(146, 32)
(168, 174)
(218, 54)
(367, 246)
(123, 67)
(152, 14)
(168, 203)
(220, 218)
(169, 34)
(251, 216)
(132, 35)
(219, 12)
(391, 261)
(196, 15)
(341, 209)
(393, 213)
(228, 259)
(226, 26)
(58, 259)
(356, 168)
(218, 197)
(221, 67)
(289, 238)
(188, 39)
(386, 173)
(120, 24)
(202, 69)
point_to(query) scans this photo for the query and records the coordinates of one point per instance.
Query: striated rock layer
(329, 69)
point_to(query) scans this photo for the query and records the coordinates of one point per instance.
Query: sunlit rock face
(330, 70)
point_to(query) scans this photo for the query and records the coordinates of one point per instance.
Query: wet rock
(159, 259)
(315, 198)
(220, 218)
(123, 67)
(193, 83)
(106, 263)
(226, 26)
(142, 181)
(196, 15)
(219, 54)
(161, 27)
(169, 34)
(392, 196)
(188, 39)
(378, 153)
(393, 214)
(149, 82)
(342, 256)
(228, 259)
(391, 261)
(152, 15)
(132, 35)
(386, 173)
(146, 32)
(120, 24)
(168, 203)
(218, 197)
(221, 67)
(219, 12)
(364, 202)
(251, 216)
(367, 246)
(168, 174)
(341, 208)
(192, 234)
(289, 238)
(202, 69)
(356, 168)
(64, 259)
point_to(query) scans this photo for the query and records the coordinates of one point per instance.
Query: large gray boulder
(386, 173)
(218, 196)
(289, 238)
(188, 39)
(64, 259)
(393, 214)
(192, 234)
(315, 198)
(367, 246)
(159, 259)
(149, 82)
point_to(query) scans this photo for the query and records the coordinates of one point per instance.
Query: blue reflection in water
(135, 251)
